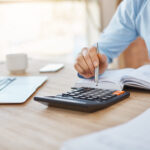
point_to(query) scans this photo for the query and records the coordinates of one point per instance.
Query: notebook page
(140, 76)
(134, 135)
(108, 80)
(143, 71)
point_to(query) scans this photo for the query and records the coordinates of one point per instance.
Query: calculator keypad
(91, 94)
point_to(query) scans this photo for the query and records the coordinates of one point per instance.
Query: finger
(102, 63)
(88, 61)
(101, 58)
(83, 64)
(79, 69)
(94, 56)
(81, 72)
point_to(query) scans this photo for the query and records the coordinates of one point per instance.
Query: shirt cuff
(83, 77)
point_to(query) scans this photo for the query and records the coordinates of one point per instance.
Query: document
(133, 135)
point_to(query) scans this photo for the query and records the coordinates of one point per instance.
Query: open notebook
(117, 79)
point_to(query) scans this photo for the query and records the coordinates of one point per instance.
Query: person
(131, 20)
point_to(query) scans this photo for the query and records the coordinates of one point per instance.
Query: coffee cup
(16, 62)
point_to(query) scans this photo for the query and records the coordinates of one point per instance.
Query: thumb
(102, 63)
(102, 58)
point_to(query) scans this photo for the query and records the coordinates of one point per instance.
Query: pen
(97, 70)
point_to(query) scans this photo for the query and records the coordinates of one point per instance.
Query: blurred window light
(42, 28)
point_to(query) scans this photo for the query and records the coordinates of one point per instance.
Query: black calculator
(84, 99)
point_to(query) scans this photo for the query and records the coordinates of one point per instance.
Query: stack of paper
(134, 135)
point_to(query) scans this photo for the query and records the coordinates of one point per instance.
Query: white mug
(17, 63)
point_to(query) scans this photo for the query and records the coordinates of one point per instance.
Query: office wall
(101, 14)
(50, 23)
(108, 8)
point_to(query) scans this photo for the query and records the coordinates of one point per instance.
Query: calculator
(84, 99)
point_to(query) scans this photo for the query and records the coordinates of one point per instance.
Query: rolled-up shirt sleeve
(120, 32)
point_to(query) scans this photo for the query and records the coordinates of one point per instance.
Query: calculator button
(82, 97)
(96, 97)
(77, 92)
(119, 92)
(89, 98)
(91, 94)
(109, 96)
(76, 96)
(100, 95)
(72, 94)
(87, 89)
(64, 94)
(112, 95)
(103, 98)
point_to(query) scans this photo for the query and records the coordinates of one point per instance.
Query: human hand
(88, 60)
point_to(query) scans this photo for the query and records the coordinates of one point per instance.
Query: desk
(33, 126)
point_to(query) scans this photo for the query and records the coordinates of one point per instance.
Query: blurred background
(48, 29)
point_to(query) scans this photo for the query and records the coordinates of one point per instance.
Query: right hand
(88, 60)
